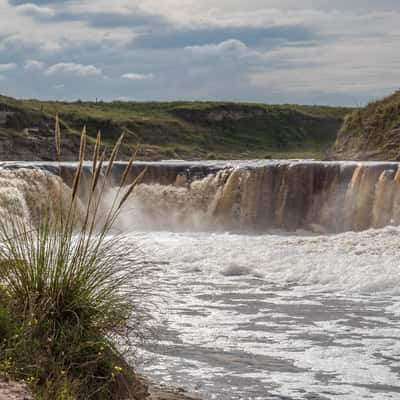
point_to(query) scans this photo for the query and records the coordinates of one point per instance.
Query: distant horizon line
(123, 100)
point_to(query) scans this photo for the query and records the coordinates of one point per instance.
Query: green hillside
(189, 130)
(372, 132)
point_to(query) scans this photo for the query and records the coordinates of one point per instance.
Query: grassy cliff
(372, 132)
(190, 130)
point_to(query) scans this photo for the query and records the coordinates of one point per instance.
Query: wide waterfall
(266, 279)
(255, 195)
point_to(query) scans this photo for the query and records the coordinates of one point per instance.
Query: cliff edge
(371, 133)
(170, 130)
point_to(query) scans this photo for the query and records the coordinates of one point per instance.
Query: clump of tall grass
(70, 293)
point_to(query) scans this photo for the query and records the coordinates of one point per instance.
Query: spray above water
(283, 195)
(24, 193)
(286, 196)
(243, 293)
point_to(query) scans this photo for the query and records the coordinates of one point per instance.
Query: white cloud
(137, 77)
(359, 67)
(125, 98)
(34, 65)
(60, 86)
(35, 10)
(348, 46)
(192, 13)
(18, 28)
(120, 7)
(7, 67)
(74, 69)
(228, 46)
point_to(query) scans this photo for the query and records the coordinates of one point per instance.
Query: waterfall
(255, 196)
(26, 192)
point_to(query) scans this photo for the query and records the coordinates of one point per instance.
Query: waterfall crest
(326, 197)
(27, 192)
(257, 196)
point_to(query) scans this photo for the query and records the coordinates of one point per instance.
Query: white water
(25, 192)
(256, 316)
(277, 317)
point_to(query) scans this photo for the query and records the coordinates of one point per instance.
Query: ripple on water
(321, 321)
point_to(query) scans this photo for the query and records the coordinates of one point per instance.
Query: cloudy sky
(307, 51)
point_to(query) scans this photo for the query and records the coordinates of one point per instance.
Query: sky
(287, 51)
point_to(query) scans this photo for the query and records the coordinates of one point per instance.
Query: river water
(276, 316)
(267, 314)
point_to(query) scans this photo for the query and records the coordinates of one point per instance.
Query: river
(270, 279)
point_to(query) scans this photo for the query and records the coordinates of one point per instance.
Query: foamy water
(277, 317)
(263, 316)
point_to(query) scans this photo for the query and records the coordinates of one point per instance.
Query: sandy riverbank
(164, 393)
(19, 391)
(14, 391)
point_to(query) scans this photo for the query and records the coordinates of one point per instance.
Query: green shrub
(7, 326)
(74, 293)
(211, 156)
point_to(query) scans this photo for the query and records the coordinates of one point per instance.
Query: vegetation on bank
(70, 299)
(371, 132)
(193, 130)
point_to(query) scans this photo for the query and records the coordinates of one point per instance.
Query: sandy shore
(19, 391)
(164, 393)
(14, 391)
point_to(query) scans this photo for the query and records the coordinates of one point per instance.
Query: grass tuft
(71, 298)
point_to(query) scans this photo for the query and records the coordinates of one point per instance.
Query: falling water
(26, 192)
(290, 196)
(259, 196)
(256, 316)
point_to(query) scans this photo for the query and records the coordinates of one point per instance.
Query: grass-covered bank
(71, 299)
(371, 132)
(179, 130)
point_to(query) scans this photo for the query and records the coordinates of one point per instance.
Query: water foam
(361, 262)
(320, 321)
(296, 315)
(290, 196)
(26, 192)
